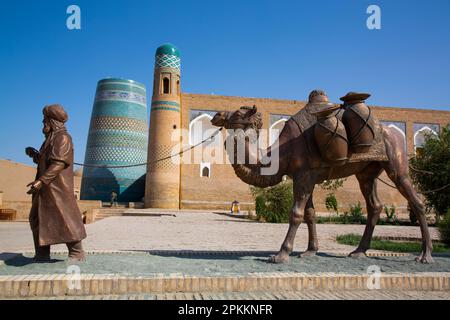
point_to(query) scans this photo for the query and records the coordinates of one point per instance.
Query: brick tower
(162, 188)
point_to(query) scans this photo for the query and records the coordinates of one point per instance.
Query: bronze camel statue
(293, 162)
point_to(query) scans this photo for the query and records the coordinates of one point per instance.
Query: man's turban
(55, 111)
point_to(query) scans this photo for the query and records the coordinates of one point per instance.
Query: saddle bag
(359, 122)
(331, 138)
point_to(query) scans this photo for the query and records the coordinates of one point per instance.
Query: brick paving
(114, 285)
(196, 231)
(283, 295)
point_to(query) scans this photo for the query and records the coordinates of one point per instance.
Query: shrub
(430, 170)
(390, 214)
(260, 206)
(355, 215)
(274, 204)
(331, 203)
(444, 228)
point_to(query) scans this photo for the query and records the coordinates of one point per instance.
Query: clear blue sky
(274, 49)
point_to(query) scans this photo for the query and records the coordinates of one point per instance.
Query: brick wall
(14, 178)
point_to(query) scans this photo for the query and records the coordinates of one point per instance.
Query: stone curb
(58, 285)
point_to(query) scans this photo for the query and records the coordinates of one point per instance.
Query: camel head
(244, 118)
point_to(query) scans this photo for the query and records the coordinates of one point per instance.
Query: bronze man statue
(54, 216)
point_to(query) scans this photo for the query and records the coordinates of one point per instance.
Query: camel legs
(310, 219)
(303, 187)
(404, 185)
(368, 185)
(397, 170)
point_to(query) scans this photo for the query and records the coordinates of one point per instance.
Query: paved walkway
(196, 231)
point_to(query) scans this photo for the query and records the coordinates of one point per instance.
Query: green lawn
(360, 220)
(388, 245)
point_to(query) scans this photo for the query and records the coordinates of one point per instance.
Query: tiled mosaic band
(119, 123)
(165, 105)
(120, 95)
(167, 61)
(122, 86)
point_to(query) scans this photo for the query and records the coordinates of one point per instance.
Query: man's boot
(42, 253)
(76, 252)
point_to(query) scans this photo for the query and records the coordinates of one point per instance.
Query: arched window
(178, 85)
(421, 136)
(205, 169)
(275, 130)
(166, 85)
(200, 128)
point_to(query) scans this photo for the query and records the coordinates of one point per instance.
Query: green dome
(168, 48)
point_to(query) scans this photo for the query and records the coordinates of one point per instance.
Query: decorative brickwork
(158, 152)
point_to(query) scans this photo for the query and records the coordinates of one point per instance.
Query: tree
(430, 171)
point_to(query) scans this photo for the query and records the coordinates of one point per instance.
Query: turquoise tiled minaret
(118, 135)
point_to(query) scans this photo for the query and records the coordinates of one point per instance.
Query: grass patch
(381, 221)
(388, 245)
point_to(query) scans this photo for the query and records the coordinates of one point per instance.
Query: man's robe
(58, 217)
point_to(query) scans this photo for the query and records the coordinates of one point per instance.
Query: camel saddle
(306, 121)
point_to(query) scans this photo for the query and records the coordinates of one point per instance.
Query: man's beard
(46, 130)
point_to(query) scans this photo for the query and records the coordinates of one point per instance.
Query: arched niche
(421, 136)
(200, 128)
(275, 130)
(205, 169)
